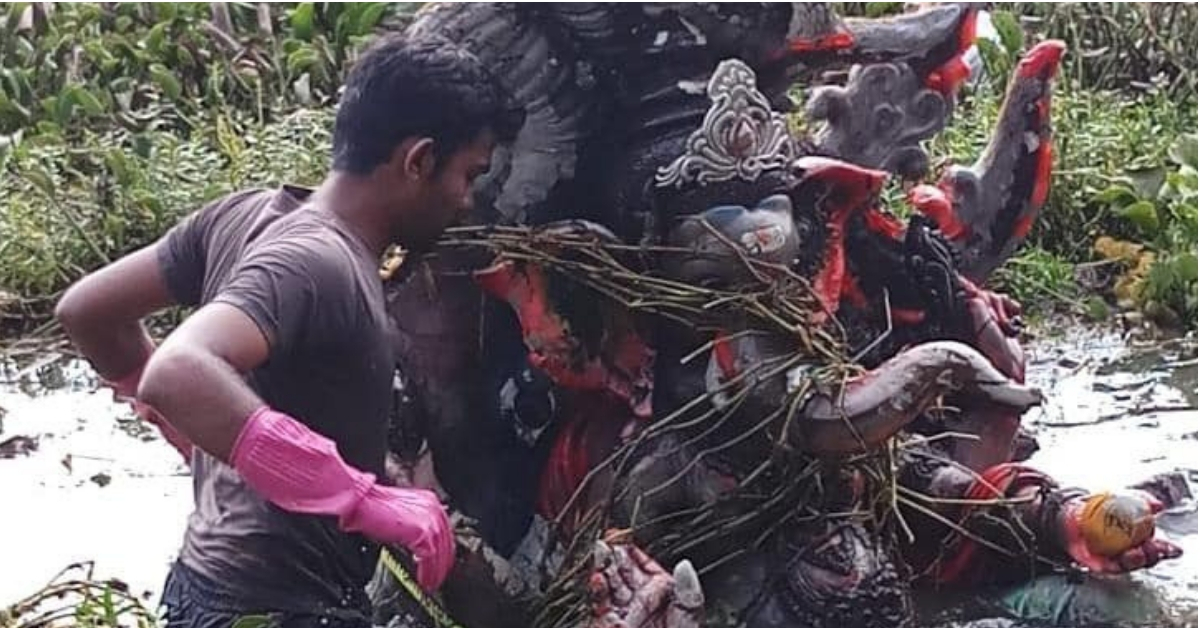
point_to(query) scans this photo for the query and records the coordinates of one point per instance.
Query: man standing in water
(282, 378)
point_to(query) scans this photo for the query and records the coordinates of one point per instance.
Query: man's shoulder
(304, 225)
(308, 239)
(282, 199)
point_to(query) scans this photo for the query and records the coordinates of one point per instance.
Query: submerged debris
(18, 446)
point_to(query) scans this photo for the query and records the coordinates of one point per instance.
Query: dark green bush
(69, 207)
(139, 66)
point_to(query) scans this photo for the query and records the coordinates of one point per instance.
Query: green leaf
(64, 107)
(154, 38)
(342, 26)
(1009, 30)
(1183, 151)
(14, 86)
(17, 109)
(118, 164)
(368, 17)
(166, 80)
(26, 50)
(291, 45)
(47, 130)
(186, 60)
(26, 87)
(1147, 181)
(143, 145)
(1185, 182)
(87, 101)
(1186, 266)
(1116, 194)
(302, 20)
(41, 179)
(97, 51)
(1096, 309)
(166, 11)
(1143, 214)
(14, 17)
(995, 59)
(301, 59)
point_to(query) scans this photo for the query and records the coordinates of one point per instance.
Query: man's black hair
(426, 87)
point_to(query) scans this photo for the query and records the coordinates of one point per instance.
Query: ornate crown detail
(740, 136)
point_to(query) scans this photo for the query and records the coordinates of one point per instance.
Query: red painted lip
(1042, 60)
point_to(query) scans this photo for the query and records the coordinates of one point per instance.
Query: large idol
(735, 359)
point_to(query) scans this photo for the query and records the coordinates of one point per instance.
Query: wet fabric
(1060, 600)
(193, 601)
(314, 290)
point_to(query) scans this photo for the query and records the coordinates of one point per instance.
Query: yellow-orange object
(1113, 523)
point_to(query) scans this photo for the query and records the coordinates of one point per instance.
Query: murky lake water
(1118, 415)
(100, 487)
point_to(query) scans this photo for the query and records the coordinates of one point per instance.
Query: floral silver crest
(740, 137)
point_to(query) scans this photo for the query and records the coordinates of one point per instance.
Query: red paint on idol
(823, 43)
(907, 317)
(851, 188)
(935, 202)
(885, 224)
(948, 77)
(1041, 62)
(852, 292)
(1041, 184)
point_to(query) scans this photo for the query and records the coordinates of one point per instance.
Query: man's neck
(351, 199)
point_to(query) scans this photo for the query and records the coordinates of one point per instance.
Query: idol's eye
(803, 231)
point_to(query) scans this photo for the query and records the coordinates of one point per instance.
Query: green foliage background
(117, 118)
(1124, 115)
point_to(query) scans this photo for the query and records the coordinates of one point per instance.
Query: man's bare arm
(195, 378)
(102, 313)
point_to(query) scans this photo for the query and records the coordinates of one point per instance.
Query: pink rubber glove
(299, 470)
(125, 389)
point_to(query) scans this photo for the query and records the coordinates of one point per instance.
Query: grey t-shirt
(314, 290)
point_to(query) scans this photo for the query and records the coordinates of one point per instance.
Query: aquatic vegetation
(75, 597)
(141, 66)
(117, 118)
(1160, 202)
(1125, 162)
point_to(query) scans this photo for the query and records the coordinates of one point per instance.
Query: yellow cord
(406, 581)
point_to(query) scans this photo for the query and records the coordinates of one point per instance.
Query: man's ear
(418, 158)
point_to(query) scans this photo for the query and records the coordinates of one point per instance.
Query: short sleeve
(288, 286)
(183, 250)
(181, 256)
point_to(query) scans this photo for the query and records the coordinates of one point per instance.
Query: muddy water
(98, 487)
(1118, 415)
